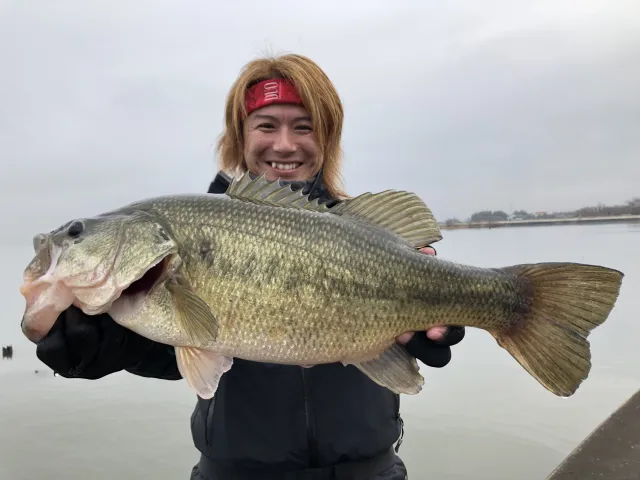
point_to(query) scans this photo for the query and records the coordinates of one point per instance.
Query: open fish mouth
(154, 275)
(47, 295)
(130, 298)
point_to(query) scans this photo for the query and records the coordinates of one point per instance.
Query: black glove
(90, 347)
(433, 353)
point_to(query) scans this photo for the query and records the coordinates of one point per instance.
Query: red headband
(276, 90)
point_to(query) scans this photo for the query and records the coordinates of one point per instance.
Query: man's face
(279, 141)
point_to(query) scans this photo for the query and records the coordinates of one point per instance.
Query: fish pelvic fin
(202, 369)
(567, 301)
(404, 213)
(193, 314)
(394, 369)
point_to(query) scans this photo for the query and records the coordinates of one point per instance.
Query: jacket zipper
(400, 421)
(312, 443)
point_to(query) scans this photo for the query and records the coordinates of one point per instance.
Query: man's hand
(432, 348)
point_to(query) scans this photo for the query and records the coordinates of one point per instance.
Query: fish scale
(264, 274)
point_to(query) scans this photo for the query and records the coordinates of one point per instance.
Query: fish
(264, 273)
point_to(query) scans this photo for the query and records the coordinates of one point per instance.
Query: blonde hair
(319, 98)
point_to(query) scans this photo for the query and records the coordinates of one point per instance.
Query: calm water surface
(481, 417)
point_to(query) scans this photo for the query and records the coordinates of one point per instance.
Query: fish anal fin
(404, 213)
(202, 369)
(194, 316)
(394, 369)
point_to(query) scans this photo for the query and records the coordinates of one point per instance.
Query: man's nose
(284, 142)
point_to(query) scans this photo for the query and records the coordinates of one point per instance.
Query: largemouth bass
(264, 274)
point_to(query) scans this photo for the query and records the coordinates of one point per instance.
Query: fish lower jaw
(139, 314)
(124, 310)
(92, 309)
(43, 308)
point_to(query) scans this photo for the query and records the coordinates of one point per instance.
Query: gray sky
(500, 104)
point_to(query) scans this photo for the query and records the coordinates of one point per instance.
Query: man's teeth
(284, 166)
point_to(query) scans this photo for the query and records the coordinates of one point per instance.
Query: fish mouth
(45, 296)
(48, 296)
(153, 276)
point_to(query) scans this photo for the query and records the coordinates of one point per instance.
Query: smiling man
(279, 142)
(283, 118)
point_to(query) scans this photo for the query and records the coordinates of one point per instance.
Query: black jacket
(263, 415)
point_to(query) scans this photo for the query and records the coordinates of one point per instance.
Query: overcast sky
(500, 104)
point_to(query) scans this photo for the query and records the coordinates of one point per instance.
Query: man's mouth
(284, 166)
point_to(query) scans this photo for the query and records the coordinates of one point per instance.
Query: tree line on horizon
(631, 207)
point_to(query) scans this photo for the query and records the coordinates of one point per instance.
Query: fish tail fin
(566, 301)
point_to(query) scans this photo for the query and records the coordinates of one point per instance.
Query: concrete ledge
(611, 451)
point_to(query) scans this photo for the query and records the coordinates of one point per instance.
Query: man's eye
(304, 128)
(266, 126)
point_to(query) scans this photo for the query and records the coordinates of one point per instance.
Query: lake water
(481, 417)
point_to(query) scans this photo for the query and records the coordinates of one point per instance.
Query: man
(283, 119)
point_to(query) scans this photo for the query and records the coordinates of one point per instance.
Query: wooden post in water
(7, 352)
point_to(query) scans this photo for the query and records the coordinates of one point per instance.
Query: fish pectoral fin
(202, 369)
(404, 213)
(394, 369)
(194, 316)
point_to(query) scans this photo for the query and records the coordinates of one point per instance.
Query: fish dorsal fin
(404, 213)
(261, 190)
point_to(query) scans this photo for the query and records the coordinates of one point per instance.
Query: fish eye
(75, 229)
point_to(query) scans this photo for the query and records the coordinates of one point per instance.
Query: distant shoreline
(544, 222)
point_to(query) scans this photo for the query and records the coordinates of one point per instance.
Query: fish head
(90, 262)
